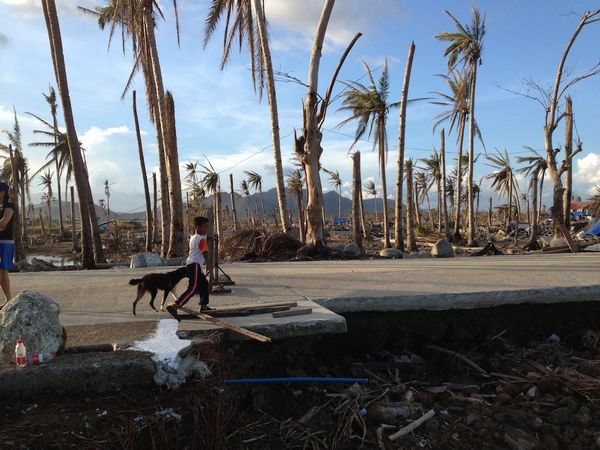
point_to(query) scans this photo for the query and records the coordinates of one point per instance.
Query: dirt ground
(123, 334)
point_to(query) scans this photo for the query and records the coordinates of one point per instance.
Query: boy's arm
(209, 267)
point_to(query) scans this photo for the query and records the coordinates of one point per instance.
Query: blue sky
(220, 117)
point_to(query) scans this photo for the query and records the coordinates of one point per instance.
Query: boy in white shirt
(198, 256)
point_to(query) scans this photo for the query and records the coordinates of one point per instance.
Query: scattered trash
(554, 338)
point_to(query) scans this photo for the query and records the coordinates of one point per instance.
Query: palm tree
(336, 182)
(211, 182)
(245, 189)
(432, 175)
(107, 194)
(503, 179)
(245, 20)
(451, 191)
(16, 170)
(46, 183)
(137, 19)
(456, 115)
(90, 232)
(422, 186)
(295, 185)
(535, 166)
(466, 46)
(52, 103)
(372, 191)
(370, 107)
(411, 242)
(255, 182)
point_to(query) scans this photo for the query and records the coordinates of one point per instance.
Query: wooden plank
(572, 245)
(228, 326)
(292, 312)
(265, 307)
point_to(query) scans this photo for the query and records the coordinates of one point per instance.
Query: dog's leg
(140, 294)
(174, 294)
(164, 299)
(153, 292)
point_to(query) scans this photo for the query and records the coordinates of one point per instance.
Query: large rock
(352, 249)
(391, 253)
(146, 259)
(442, 249)
(34, 318)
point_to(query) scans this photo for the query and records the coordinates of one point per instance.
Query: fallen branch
(460, 357)
(412, 426)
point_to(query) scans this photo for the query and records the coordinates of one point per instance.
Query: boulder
(174, 262)
(34, 318)
(146, 259)
(442, 249)
(352, 249)
(391, 253)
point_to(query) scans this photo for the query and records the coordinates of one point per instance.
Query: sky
(220, 117)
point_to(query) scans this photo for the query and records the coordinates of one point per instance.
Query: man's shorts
(7, 253)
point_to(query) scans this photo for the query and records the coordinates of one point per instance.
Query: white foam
(164, 343)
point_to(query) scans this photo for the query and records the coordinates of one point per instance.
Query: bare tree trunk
(301, 217)
(363, 221)
(176, 247)
(61, 225)
(272, 96)
(533, 224)
(86, 204)
(443, 183)
(398, 231)
(218, 211)
(382, 174)
(490, 216)
(149, 221)
(75, 241)
(471, 242)
(236, 224)
(155, 207)
(411, 244)
(568, 157)
(510, 199)
(416, 204)
(541, 194)
(357, 236)
(458, 188)
(311, 135)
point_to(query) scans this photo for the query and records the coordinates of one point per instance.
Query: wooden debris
(412, 426)
(460, 357)
(228, 326)
(292, 312)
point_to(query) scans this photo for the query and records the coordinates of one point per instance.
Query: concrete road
(104, 296)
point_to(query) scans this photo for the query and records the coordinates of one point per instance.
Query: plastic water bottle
(40, 358)
(20, 353)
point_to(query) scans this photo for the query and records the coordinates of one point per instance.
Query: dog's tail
(135, 281)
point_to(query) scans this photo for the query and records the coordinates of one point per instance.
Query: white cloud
(588, 168)
(96, 136)
(30, 9)
(348, 18)
(3, 40)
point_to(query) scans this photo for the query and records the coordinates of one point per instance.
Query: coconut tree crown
(466, 43)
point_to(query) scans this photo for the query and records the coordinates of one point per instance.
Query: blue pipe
(296, 380)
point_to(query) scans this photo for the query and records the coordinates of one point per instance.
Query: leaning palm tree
(336, 182)
(255, 181)
(372, 191)
(245, 23)
(46, 183)
(535, 166)
(465, 47)
(90, 231)
(503, 179)
(369, 106)
(295, 185)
